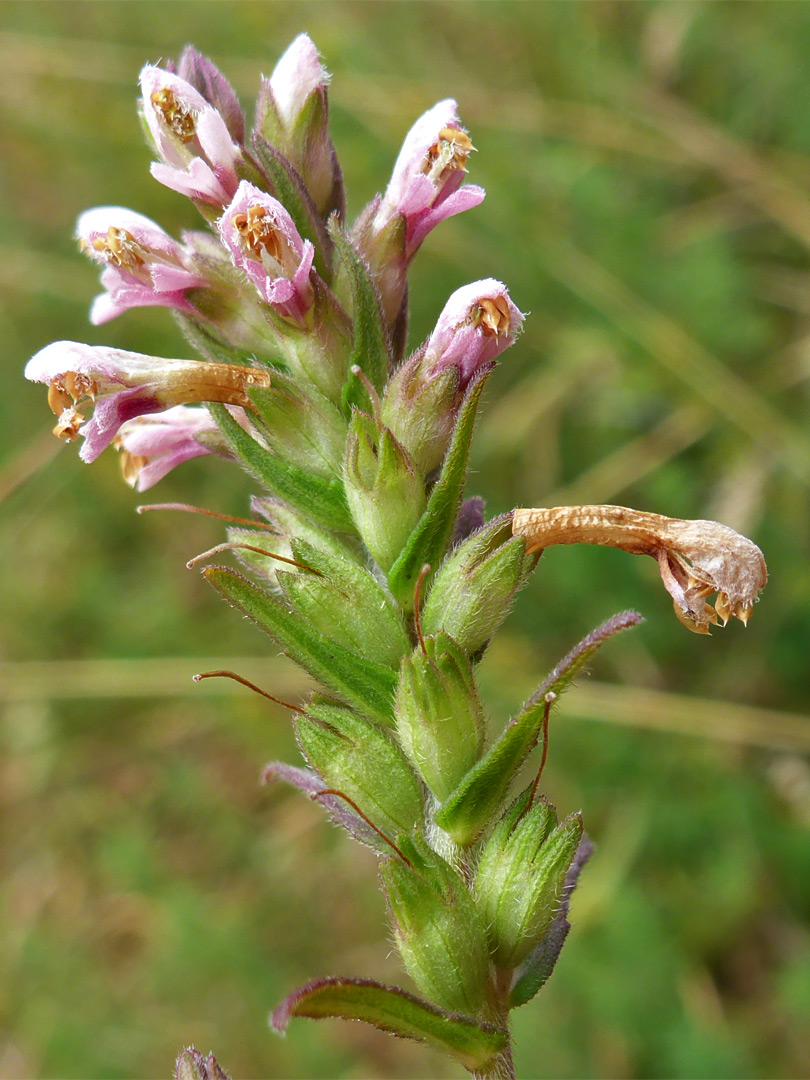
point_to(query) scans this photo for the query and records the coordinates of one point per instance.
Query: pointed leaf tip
(393, 1010)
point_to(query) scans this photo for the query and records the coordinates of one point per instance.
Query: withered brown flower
(696, 558)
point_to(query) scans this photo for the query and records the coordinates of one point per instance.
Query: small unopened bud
(521, 876)
(474, 587)
(439, 718)
(695, 558)
(385, 492)
(293, 115)
(439, 933)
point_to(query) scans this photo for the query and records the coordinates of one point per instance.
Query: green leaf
(359, 682)
(428, 542)
(292, 193)
(371, 350)
(321, 499)
(479, 795)
(390, 1009)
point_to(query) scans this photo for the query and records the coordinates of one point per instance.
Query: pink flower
(478, 322)
(122, 385)
(199, 155)
(151, 446)
(426, 185)
(143, 265)
(265, 244)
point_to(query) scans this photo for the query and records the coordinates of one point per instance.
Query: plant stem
(502, 1066)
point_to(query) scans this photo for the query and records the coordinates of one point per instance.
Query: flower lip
(695, 558)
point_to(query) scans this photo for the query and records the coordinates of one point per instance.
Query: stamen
(367, 819)
(131, 465)
(493, 316)
(70, 421)
(250, 547)
(58, 397)
(259, 236)
(449, 153)
(175, 116)
(208, 513)
(120, 248)
(245, 682)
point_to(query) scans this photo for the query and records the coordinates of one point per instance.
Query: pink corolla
(143, 265)
(427, 184)
(264, 243)
(121, 385)
(151, 446)
(478, 322)
(199, 155)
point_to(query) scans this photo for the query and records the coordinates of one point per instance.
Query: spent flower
(696, 558)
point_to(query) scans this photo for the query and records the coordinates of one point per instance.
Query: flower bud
(478, 322)
(191, 1065)
(521, 876)
(143, 265)
(386, 494)
(199, 156)
(123, 385)
(439, 718)
(439, 933)
(293, 115)
(356, 757)
(475, 585)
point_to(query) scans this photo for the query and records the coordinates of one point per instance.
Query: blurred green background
(648, 177)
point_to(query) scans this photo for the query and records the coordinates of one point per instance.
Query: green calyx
(440, 722)
(384, 490)
(474, 587)
(357, 758)
(439, 933)
(521, 875)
